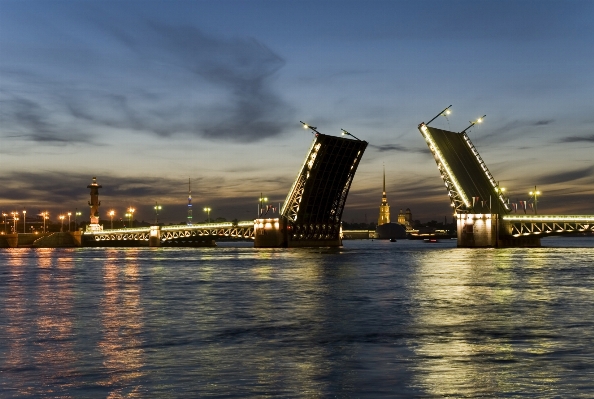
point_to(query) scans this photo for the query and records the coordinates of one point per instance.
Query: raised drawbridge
(482, 211)
(312, 212)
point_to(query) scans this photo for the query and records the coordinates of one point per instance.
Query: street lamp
(111, 213)
(261, 204)
(157, 209)
(24, 221)
(14, 221)
(535, 193)
(345, 133)
(207, 210)
(131, 213)
(4, 214)
(76, 215)
(62, 219)
(312, 128)
(45, 216)
(69, 213)
(472, 123)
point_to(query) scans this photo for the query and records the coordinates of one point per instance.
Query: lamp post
(535, 194)
(111, 213)
(157, 209)
(131, 213)
(472, 123)
(261, 204)
(4, 214)
(76, 215)
(69, 214)
(24, 221)
(345, 133)
(207, 210)
(62, 219)
(14, 221)
(499, 191)
(45, 216)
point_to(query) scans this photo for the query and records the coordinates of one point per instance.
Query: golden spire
(384, 213)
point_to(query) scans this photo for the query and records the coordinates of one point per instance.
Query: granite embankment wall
(48, 240)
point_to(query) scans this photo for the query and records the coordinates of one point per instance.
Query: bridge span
(311, 215)
(480, 207)
(174, 235)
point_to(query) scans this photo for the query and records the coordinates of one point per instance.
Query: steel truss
(518, 226)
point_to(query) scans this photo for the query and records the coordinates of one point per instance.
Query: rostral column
(94, 204)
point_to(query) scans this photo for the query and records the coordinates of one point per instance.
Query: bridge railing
(201, 226)
(550, 218)
(125, 230)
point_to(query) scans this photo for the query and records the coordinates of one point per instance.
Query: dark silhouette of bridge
(482, 211)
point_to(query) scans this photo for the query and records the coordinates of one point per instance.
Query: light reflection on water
(373, 319)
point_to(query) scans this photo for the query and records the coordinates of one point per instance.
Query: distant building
(405, 219)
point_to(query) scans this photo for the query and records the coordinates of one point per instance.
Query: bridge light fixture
(76, 215)
(312, 128)
(207, 210)
(345, 133)
(261, 202)
(472, 123)
(157, 208)
(445, 112)
(45, 216)
(535, 194)
(62, 219)
(131, 213)
(111, 213)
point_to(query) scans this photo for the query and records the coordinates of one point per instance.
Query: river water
(371, 319)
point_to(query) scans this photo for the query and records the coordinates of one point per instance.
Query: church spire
(384, 211)
(384, 180)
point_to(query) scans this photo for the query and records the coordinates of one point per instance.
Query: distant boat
(392, 240)
(431, 240)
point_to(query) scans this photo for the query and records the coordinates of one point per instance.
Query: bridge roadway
(162, 234)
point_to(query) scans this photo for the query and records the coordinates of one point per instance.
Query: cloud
(577, 139)
(389, 148)
(150, 78)
(397, 148)
(568, 176)
(509, 130)
(241, 71)
(543, 122)
(22, 117)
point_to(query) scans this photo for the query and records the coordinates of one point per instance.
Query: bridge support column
(477, 230)
(155, 236)
(9, 240)
(270, 233)
(77, 238)
(488, 230)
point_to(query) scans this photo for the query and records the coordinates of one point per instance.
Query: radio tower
(189, 203)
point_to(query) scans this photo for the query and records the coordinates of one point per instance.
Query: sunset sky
(146, 94)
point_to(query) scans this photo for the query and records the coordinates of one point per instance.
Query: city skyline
(145, 97)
